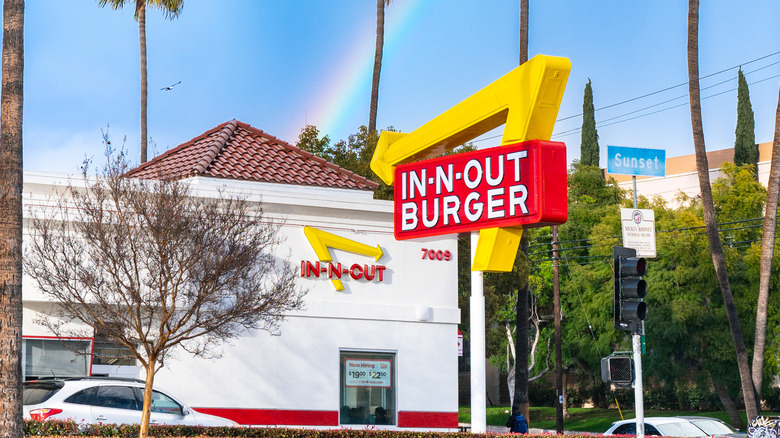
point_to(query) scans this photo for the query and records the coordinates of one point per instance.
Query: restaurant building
(376, 341)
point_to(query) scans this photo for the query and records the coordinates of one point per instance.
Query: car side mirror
(185, 411)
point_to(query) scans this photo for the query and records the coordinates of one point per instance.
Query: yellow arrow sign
(321, 240)
(526, 99)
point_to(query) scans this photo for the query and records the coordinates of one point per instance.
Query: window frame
(389, 402)
(62, 340)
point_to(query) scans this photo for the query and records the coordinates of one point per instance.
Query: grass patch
(584, 419)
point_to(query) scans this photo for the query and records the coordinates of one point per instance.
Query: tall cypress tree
(589, 147)
(745, 151)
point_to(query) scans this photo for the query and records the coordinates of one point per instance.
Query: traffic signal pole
(636, 338)
(630, 310)
(639, 402)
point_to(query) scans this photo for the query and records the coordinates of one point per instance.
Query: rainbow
(343, 103)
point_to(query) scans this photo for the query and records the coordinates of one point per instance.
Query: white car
(107, 401)
(677, 427)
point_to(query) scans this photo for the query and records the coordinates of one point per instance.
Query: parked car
(108, 401)
(677, 426)
(714, 427)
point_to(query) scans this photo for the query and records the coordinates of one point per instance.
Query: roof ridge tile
(216, 147)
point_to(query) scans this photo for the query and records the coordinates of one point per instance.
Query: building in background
(681, 174)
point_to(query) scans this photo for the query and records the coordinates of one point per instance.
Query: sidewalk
(466, 427)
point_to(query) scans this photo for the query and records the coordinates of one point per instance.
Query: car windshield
(712, 427)
(38, 392)
(680, 428)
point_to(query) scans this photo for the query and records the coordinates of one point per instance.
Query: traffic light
(630, 289)
(617, 369)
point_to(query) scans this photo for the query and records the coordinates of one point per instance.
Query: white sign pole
(477, 324)
(639, 403)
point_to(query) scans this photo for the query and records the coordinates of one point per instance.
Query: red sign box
(506, 186)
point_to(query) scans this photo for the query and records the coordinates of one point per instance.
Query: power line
(602, 124)
(698, 227)
(673, 86)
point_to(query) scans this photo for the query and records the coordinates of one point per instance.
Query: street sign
(506, 186)
(636, 161)
(639, 230)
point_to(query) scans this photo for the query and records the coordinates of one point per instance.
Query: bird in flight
(170, 87)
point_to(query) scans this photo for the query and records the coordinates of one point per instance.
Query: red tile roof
(236, 150)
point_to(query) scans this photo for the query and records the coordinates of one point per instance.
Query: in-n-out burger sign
(325, 268)
(520, 184)
(331, 270)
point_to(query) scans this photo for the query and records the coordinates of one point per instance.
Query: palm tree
(523, 31)
(11, 425)
(767, 254)
(380, 44)
(520, 403)
(171, 9)
(708, 208)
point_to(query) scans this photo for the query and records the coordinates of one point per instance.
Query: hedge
(69, 428)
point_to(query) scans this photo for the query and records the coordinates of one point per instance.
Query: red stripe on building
(275, 417)
(435, 420)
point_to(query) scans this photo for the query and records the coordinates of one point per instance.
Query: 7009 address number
(432, 254)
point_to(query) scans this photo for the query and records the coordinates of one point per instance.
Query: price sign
(368, 372)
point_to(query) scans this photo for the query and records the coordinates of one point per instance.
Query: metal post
(638, 400)
(477, 327)
(637, 342)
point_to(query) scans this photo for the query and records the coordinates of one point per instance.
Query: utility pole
(558, 352)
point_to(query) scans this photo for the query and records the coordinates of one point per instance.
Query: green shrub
(542, 394)
(69, 428)
(771, 397)
(574, 397)
(695, 398)
(664, 398)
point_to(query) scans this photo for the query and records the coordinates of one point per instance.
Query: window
(117, 397)
(626, 429)
(56, 358)
(164, 404)
(109, 352)
(367, 388)
(38, 392)
(84, 397)
(630, 429)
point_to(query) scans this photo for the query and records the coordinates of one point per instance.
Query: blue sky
(278, 65)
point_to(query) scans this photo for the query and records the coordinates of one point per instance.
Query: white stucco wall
(412, 312)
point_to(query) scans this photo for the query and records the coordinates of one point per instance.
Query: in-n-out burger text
(336, 270)
(521, 184)
(500, 201)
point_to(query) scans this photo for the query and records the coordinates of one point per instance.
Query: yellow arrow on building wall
(526, 100)
(322, 240)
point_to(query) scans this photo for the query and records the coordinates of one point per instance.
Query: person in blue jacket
(517, 423)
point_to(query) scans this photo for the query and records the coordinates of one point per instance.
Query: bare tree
(702, 168)
(11, 220)
(152, 266)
